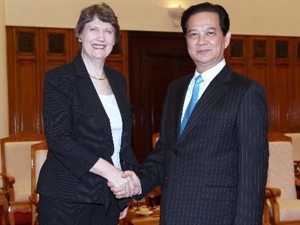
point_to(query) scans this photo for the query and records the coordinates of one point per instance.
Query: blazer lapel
(90, 97)
(121, 100)
(213, 92)
(122, 104)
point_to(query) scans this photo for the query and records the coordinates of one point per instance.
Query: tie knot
(198, 79)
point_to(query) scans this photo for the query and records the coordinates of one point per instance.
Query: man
(213, 170)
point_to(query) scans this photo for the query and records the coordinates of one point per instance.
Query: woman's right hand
(123, 186)
(134, 183)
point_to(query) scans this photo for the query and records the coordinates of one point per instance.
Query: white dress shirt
(112, 110)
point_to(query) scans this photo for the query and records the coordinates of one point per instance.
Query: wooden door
(23, 85)
(31, 52)
(156, 59)
(281, 83)
(296, 83)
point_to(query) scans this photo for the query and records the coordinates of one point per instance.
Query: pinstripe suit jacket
(216, 171)
(78, 133)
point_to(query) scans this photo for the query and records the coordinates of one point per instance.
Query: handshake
(125, 186)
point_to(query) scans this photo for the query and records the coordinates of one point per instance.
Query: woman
(88, 127)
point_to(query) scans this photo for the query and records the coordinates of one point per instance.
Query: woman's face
(98, 39)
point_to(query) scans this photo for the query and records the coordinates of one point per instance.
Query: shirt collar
(210, 74)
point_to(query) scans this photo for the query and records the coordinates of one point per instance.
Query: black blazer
(78, 133)
(215, 172)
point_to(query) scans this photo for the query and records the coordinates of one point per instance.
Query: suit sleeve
(252, 126)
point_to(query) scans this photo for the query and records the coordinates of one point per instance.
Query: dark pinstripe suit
(215, 172)
(78, 133)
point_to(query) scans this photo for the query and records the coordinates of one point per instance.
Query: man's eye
(193, 35)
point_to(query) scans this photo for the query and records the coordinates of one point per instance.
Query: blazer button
(175, 151)
(166, 177)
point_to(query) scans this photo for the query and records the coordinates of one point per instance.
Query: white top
(207, 76)
(112, 110)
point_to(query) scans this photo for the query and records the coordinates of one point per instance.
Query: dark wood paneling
(149, 62)
(272, 62)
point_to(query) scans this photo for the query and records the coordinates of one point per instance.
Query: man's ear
(227, 38)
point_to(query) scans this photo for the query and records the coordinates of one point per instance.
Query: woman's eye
(109, 31)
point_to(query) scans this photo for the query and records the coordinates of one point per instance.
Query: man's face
(205, 41)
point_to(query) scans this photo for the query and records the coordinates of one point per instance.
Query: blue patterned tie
(192, 102)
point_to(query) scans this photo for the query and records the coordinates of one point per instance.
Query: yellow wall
(256, 17)
(3, 76)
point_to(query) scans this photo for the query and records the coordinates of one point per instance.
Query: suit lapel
(213, 92)
(182, 89)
